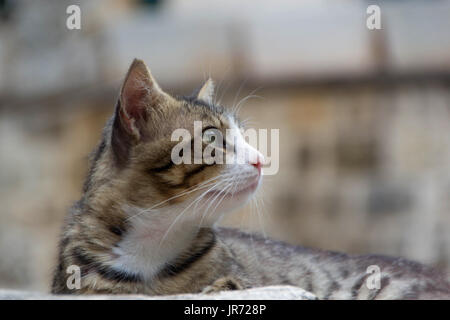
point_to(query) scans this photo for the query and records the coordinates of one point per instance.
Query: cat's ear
(206, 93)
(139, 95)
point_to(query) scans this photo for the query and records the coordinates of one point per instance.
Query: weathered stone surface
(264, 293)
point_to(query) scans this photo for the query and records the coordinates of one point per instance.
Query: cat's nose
(257, 165)
(257, 162)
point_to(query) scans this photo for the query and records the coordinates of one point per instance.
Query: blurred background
(364, 115)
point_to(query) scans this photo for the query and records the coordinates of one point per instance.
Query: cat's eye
(213, 136)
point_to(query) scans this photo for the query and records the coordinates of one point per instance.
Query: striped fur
(143, 224)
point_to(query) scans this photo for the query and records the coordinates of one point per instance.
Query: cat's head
(135, 164)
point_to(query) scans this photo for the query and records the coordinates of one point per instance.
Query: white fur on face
(158, 236)
(242, 176)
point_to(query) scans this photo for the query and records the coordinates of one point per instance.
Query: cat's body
(227, 259)
(145, 225)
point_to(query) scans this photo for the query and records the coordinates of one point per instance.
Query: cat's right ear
(140, 94)
(206, 92)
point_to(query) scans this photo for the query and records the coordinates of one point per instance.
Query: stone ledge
(264, 293)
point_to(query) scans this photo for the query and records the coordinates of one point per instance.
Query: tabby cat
(146, 225)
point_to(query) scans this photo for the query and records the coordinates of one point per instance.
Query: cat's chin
(243, 192)
(231, 200)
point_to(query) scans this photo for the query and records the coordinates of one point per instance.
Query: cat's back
(334, 275)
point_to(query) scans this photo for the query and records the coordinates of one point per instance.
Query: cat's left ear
(139, 97)
(206, 93)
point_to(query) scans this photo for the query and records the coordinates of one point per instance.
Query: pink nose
(257, 165)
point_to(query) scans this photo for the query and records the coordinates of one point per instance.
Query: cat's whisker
(252, 242)
(218, 203)
(224, 191)
(200, 198)
(184, 210)
(221, 82)
(261, 224)
(241, 103)
(239, 91)
(251, 94)
(223, 93)
(212, 201)
(203, 214)
(196, 187)
(248, 122)
(147, 210)
(223, 197)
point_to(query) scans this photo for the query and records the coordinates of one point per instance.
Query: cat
(146, 225)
